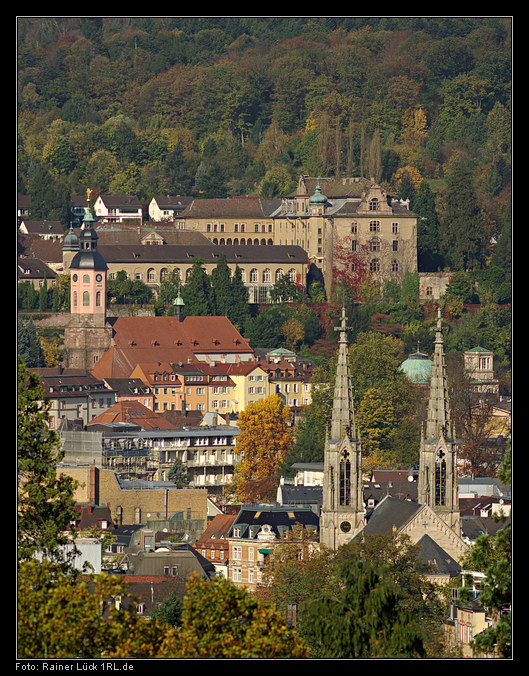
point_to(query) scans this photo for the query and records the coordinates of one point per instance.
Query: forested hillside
(223, 106)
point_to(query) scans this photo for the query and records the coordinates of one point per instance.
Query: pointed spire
(343, 419)
(438, 419)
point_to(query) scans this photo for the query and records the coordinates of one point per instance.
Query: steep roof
(431, 552)
(277, 517)
(209, 253)
(133, 411)
(216, 530)
(194, 334)
(390, 513)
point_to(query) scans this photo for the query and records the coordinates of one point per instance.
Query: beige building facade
(133, 505)
(346, 223)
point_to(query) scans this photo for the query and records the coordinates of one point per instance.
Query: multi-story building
(207, 451)
(74, 395)
(352, 225)
(213, 543)
(118, 209)
(261, 266)
(258, 530)
(347, 223)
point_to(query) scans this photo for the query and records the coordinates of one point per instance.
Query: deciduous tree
(264, 439)
(221, 620)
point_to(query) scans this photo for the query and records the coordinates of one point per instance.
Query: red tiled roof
(143, 340)
(134, 412)
(195, 334)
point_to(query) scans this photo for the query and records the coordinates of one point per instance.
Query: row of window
(374, 245)
(266, 275)
(239, 227)
(374, 265)
(86, 299)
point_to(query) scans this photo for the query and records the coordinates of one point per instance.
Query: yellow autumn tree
(265, 436)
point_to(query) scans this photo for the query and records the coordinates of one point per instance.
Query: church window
(345, 480)
(86, 299)
(440, 480)
(98, 299)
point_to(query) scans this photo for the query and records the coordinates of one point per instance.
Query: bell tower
(438, 485)
(87, 336)
(343, 506)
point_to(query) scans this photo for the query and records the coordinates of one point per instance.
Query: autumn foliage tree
(221, 620)
(265, 437)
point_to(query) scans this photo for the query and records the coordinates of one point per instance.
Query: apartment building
(258, 530)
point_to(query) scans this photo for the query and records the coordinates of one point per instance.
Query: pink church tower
(87, 336)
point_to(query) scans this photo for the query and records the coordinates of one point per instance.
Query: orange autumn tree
(265, 437)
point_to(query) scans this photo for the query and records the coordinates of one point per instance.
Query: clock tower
(87, 336)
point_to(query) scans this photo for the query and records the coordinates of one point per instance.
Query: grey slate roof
(277, 517)
(442, 561)
(390, 513)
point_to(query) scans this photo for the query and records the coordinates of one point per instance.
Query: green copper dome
(71, 241)
(318, 197)
(418, 368)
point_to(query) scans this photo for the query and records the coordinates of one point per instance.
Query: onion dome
(318, 197)
(88, 257)
(71, 241)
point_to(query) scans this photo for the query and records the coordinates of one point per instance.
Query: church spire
(343, 418)
(438, 484)
(438, 419)
(342, 505)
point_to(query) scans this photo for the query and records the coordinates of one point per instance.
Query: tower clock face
(98, 278)
(75, 278)
(345, 526)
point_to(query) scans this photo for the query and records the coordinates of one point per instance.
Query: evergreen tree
(363, 619)
(464, 232)
(197, 293)
(178, 474)
(239, 310)
(29, 347)
(429, 256)
(45, 499)
(222, 287)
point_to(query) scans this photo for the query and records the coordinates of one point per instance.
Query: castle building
(438, 486)
(87, 336)
(342, 506)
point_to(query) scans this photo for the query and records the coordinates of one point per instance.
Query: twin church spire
(343, 507)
